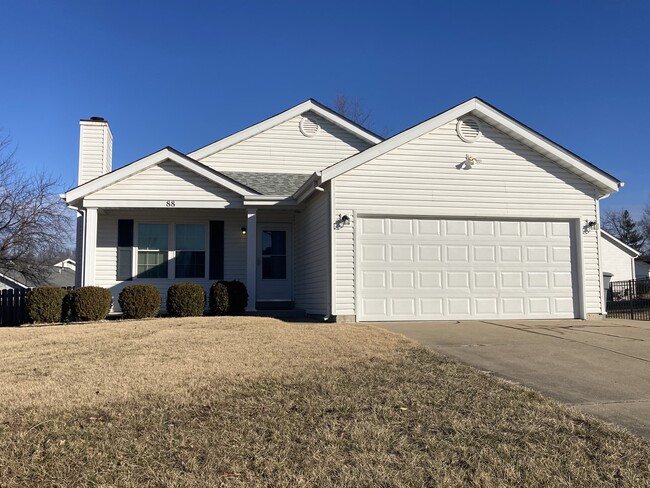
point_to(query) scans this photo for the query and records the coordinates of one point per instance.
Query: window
(190, 251)
(152, 250)
(274, 255)
(124, 250)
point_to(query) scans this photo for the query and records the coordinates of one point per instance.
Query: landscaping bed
(248, 401)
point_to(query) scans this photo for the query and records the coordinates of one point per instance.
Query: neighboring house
(642, 269)
(60, 275)
(467, 215)
(618, 259)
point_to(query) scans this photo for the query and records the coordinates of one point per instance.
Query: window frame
(171, 251)
(206, 245)
(137, 251)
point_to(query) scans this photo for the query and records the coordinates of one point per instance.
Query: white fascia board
(617, 242)
(607, 183)
(307, 188)
(269, 200)
(300, 109)
(346, 124)
(402, 138)
(17, 283)
(161, 204)
(145, 163)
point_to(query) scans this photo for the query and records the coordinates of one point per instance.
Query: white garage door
(426, 269)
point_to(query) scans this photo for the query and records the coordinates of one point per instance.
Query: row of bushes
(49, 304)
(90, 303)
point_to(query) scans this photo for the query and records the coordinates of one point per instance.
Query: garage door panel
(428, 227)
(373, 252)
(429, 253)
(430, 279)
(403, 279)
(412, 269)
(401, 252)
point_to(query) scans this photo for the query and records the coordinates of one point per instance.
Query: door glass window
(274, 255)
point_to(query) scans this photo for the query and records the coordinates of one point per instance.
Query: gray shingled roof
(54, 276)
(269, 183)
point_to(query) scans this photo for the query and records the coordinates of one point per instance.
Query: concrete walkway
(601, 367)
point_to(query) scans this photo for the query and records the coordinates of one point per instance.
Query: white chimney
(95, 149)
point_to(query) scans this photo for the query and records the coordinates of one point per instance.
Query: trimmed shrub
(66, 312)
(219, 303)
(228, 298)
(237, 297)
(185, 300)
(139, 301)
(91, 303)
(45, 304)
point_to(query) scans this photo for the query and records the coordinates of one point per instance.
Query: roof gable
(307, 106)
(598, 178)
(162, 156)
(620, 244)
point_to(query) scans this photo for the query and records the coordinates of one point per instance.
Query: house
(642, 269)
(61, 275)
(618, 260)
(467, 215)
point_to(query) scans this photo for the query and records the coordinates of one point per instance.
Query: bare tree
(34, 222)
(353, 109)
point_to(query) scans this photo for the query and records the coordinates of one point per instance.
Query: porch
(265, 248)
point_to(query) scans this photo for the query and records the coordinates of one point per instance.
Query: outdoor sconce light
(470, 161)
(243, 231)
(341, 221)
(590, 225)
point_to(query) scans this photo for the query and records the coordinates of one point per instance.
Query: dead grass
(257, 402)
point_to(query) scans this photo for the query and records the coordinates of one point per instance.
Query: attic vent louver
(309, 127)
(468, 129)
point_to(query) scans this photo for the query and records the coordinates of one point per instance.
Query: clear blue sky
(187, 73)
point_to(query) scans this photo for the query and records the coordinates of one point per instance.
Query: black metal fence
(629, 299)
(12, 307)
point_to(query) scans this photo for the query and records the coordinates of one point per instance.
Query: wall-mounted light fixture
(243, 231)
(341, 221)
(470, 161)
(319, 188)
(590, 225)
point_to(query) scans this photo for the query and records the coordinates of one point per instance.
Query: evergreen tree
(629, 233)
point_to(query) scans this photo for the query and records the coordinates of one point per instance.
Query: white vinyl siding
(312, 255)
(234, 245)
(425, 177)
(285, 149)
(166, 181)
(616, 261)
(96, 150)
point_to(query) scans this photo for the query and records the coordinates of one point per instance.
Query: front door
(274, 263)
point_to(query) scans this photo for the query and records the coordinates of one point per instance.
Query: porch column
(90, 247)
(251, 257)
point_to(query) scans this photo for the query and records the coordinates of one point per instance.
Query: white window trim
(171, 251)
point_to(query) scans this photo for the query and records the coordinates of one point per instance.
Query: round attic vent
(309, 127)
(468, 129)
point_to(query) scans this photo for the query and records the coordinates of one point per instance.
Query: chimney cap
(95, 118)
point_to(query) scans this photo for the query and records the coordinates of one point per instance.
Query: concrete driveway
(601, 367)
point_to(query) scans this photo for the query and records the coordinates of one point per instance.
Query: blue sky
(187, 73)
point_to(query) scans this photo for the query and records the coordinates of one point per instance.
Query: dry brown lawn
(258, 402)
